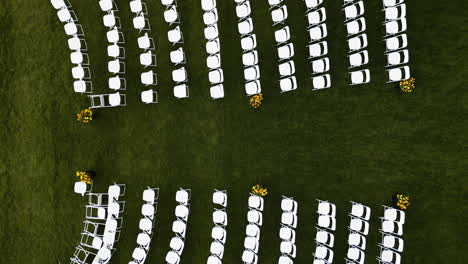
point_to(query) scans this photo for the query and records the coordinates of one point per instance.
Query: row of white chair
(213, 48)
(148, 211)
(396, 40)
(81, 73)
(358, 230)
(249, 44)
(324, 238)
(218, 231)
(392, 229)
(287, 231)
(252, 231)
(179, 226)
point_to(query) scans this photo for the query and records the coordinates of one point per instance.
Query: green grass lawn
(363, 143)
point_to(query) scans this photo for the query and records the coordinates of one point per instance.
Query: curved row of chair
(146, 45)
(324, 237)
(392, 230)
(177, 55)
(148, 211)
(287, 231)
(252, 230)
(213, 48)
(218, 231)
(249, 48)
(102, 226)
(357, 41)
(396, 41)
(358, 230)
(285, 49)
(318, 47)
(81, 73)
(179, 226)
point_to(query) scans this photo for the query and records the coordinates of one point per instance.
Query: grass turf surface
(362, 143)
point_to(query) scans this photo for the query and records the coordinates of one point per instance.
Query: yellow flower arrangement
(259, 190)
(407, 86)
(85, 116)
(403, 201)
(256, 100)
(84, 177)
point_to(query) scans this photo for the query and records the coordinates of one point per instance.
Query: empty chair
(356, 26)
(79, 72)
(398, 74)
(172, 258)
(288, 248)
(282, 35)
(213, 46)
(213, 260)
(287, 234)
(359, 225)
(288, 84)
(395, 27)
(389, 256)
(357, 240)
(216, 76)
(274, 3)
(252, 73)
(82, 188)
(115, 190)
(357, 43)
(213, 61)
(326, 221)
(171, 16)
(318, 32)
(66, 15)
(208, 5)
(289, 219)
(285, 260)
(81, 86)
(182, 212)
(58, 4)
(148, 78)
(76, 43)
(287, 69)
(116, 66)
(117, 83)
(179, 75)
(279, 15)
(218, 233)
(145, 42)
(177, 56)
(211, 32)
(286, 51)
(396, 42)
(177, 245)
(324, 253)
(395, 12)
(175, 36)
(389, 3)
(252, 230)
(146, 225)
(393, 214)
(143, 239)
(107, 5)
(255, 202)
(149, 96)
(114, 51)
(115, 36)
(397, 57)
(148, 210)
(324, 237)
(72, 29)
(392, 227)
(110, 20)
(243, 10)
(147, 59)
(320, 65)
(311, 4)
(392, 242)
(255, 217)
(249, 257)
(321, 82)
(107, 100)
(355, 10)
(326, 208)
(249, 42)
(181, 91)
(217, 249)
(245, 27)
(318, 49)
(253, 87)
(179, 227)
(317, 16)
(251, 243)
(90, 241)
(141, 23)
(356, 255)
(183, 195)
(220, 198)
(210, 17)
(136, 6)
(358, 59)
(217, 91)
(220, 217)
(360, 77)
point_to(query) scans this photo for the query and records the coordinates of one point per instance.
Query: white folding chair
(76, 43)
(287, 234)
(81, 73)
(279, 15)
(317, 16)
(289, 219)
(148, 78)
(81, 86)
(208, 5)
(182, 212)
(245, 27)
(117, 83)
(175, 36)
(179, 75)
(318, 49)
(325, 238)
(320, 65)
(107, 100)
(211, 32)
(395, 12)
(149, 96)
(217, 91)
(360, 77)
(285, 52)
(210, 17)
(220, 198)
(321, 82)
(243, 10)
(249, 42)
(312, 4)
(216, 76)
(177, 56)
(115, 51)
(356, 255)
(398, 74)
(252, 73)
(171, 16)
(253, 87)
(183, 196)
(110, 20)
(255, 217)
(282, 35)
(213, 61)
(288, 84)
(115, 36)
(250, 58)
(213, 46)
(396, 43)
(395, 27)
(324, 253)
(358, 225)
(286, 68)
(318, 32)
(357, 240)
(397, 57)
(355, 27)
(357, 43)
(358, 59)
(141, 23)
(288, 204)
(354, 11)
(116, 66)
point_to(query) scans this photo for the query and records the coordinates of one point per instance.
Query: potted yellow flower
(85, 116)
(402, 201)
(85, 176)
(259, 190)
(407, 86)
(256, 100)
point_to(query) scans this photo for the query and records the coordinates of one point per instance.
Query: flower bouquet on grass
(256, 100)
(85, 116)
(85, 176)
(402, 201)
(259, 190)
(407, 86)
